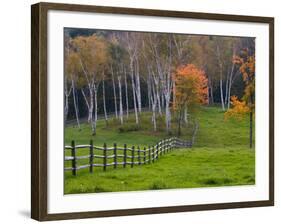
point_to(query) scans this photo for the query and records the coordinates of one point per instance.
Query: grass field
(220, 157)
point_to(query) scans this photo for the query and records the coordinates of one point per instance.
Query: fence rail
(129, 156)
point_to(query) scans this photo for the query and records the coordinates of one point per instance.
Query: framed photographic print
(138, 111)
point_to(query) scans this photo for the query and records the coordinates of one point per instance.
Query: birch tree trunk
(230, 81)
(66, 103)
(133, 90)
(114, 92)
(75, 103)
(94, 127)
(86, 101)
(153, 104)
(66, 107)
(157, 93)
(120, 100)
(91, 109)
(174, 90)
(221, 93)
(138, 88)
(221, 76)
(104, 103)
(126, 94)
(168, 86)
(154, 115)
(185, 115)
(149, 92)
(226, 89)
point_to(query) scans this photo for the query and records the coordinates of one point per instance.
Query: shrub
(128, 128)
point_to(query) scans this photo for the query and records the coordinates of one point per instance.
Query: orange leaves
(237, 60)
(190, 86)
(247, 65)
(247, 69)
(238, 110)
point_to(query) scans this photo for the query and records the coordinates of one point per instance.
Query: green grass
(220, 157)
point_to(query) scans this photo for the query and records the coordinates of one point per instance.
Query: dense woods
(168, 74)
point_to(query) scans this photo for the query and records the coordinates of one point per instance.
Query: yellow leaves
(92, 52)
(238, 110)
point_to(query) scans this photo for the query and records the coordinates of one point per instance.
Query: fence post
(73, 154)
(115, 155)
(165, 145)
(157, 151)
(161, 147)
(139, 158)
(170, 144)
(91, 160)
(125, 156)
(149, 154)
(133, 156)
(144, 155)
(153, 156)
(104, 157)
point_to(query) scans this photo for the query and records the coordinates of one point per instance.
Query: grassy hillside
(220, 157)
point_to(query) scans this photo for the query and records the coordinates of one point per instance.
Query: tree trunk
(168, 83)
(120, 100)
(114, 93)
(66, 105)
(221, 75)
(211, 90)
(138, 88)
(126, 94)
(86, 101)
(91, 108)
(168, 117)
(104, 103)
(179, 122)
(153, 104)
(174, 91)
(221, 93)
(154, 116)
(230, 83)
(75, 103)
(133, 91)
(158, 100)
(95, 111)
(149, 91)
(226, 90)
(185, 115)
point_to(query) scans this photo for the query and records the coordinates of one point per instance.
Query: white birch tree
(92, 53)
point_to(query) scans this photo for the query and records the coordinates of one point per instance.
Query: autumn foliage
(190, 86)
(247, 69)
(246, 63)
(238, 110)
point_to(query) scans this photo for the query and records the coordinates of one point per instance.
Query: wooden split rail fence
(122, 156)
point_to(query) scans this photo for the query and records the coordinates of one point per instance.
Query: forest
(117, 72)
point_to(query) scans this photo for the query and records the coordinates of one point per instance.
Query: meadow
(220, 157)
